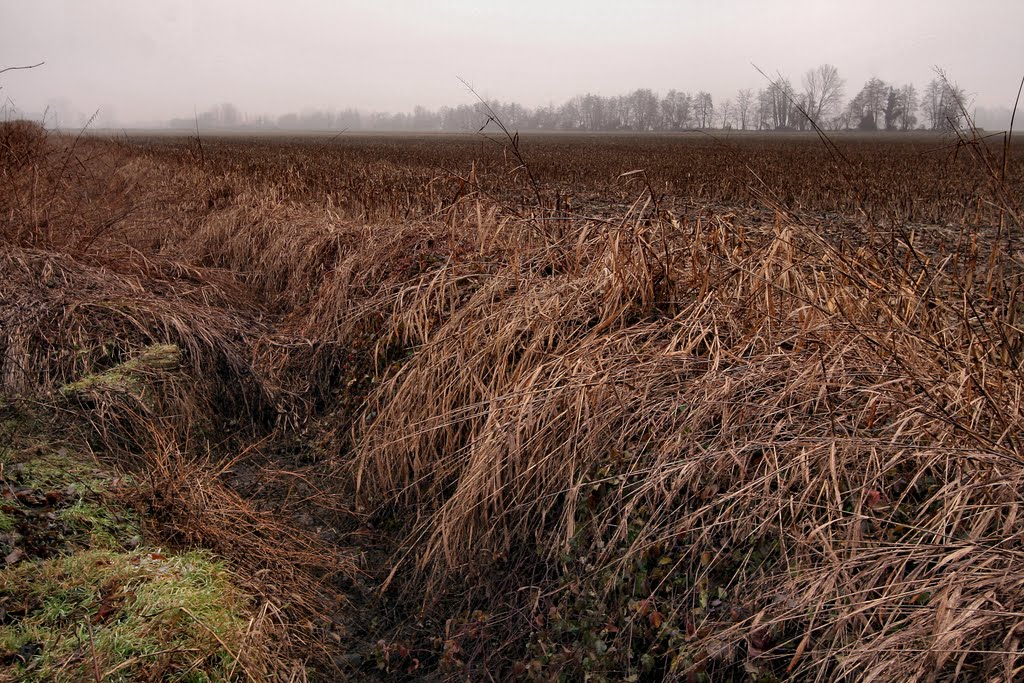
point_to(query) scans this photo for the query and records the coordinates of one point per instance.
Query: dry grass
(660, 438)
(154, 358)
(857, 417)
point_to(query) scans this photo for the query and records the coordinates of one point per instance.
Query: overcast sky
(144, 61)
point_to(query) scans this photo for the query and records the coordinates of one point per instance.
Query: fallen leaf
(875, 499)
(15, 556)
(30, 497)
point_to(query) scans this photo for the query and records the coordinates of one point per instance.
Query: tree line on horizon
(779, 106)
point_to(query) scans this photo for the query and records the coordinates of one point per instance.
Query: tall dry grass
(821, 443)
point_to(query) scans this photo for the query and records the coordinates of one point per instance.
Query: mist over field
(334, 65)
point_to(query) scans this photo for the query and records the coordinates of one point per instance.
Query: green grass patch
(56, 501)
(138, 615)
(83, 598)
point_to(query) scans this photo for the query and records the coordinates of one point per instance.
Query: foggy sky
(149, 61)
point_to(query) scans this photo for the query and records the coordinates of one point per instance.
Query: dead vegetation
(717, 431)
(797, 454)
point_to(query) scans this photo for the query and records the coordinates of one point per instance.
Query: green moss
(128, 377)
(129, 616)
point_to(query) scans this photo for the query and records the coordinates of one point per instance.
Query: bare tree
(841, 121)
(744, 98)
(908, 105)
(893, 109)
(764, 109)
(675, 110)
(618, 115)
(594, 112)
(941, 104)
(931, 104)
(823, 91)
(781, 98)
(642, 109)
(705, 109)
(867, 109)
(726, 112)
(570, 114)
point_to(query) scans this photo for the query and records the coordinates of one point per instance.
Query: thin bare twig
(15, 68)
